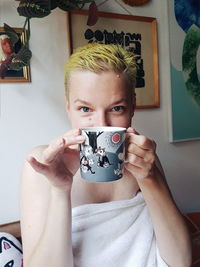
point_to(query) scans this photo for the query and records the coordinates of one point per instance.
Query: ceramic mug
(102, 153)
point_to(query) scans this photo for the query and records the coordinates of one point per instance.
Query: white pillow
(10, 251)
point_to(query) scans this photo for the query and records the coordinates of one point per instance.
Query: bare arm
(171, 232)
(55, 244)
(46, 206)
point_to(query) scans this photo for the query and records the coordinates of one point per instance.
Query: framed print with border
(14, 76)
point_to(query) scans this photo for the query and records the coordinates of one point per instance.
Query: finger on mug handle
(131, 131)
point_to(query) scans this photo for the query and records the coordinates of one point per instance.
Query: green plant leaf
(21, 59)
(11, 34)
(34, 9)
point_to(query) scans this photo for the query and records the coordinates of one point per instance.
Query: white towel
(114, 234)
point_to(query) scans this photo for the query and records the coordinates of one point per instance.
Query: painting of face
(102, 99)
(6, 46)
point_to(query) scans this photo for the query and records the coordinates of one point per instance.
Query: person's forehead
(5, 40)
(90, 76)
(89, 85)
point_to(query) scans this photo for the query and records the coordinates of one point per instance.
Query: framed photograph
(14, 76)
(184, 33)
(134, 33)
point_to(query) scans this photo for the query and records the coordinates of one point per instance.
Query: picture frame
(136, 33)
(184, 108)
(23, 75)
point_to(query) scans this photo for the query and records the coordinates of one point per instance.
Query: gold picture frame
(22, 75)
(138, 34)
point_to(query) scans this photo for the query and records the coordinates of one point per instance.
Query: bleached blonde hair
(99, 58)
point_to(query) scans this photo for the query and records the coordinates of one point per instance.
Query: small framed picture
(136, 34)
(6, 47)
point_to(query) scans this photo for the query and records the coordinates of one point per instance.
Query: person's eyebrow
(123, 100)
(82, 102)
(120, 101)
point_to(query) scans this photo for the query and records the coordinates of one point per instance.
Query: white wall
(33, 113)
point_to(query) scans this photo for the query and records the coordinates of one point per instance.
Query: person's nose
(102, 119)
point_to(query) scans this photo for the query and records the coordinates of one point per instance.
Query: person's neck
(84, 192)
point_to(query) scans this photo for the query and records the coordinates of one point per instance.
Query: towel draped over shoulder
(114, 234)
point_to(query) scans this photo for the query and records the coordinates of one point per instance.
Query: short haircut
(99, 58)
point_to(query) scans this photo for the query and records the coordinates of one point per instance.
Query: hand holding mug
(140, 155)
(59, 161)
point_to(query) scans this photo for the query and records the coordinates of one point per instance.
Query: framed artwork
(134, 33)
(184, 35)
(22, 75)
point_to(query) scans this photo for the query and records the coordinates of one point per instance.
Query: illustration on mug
(102, 150)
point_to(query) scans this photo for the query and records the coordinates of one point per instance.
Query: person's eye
(118, 108)
(84, 109)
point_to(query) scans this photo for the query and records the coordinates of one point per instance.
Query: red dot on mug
(116, 138)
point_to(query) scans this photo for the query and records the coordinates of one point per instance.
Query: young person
(67, 221)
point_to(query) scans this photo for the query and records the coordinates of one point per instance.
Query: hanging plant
(34, 8)
(39, 9)
(42, 8)
(93, 15)
(68, 5)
